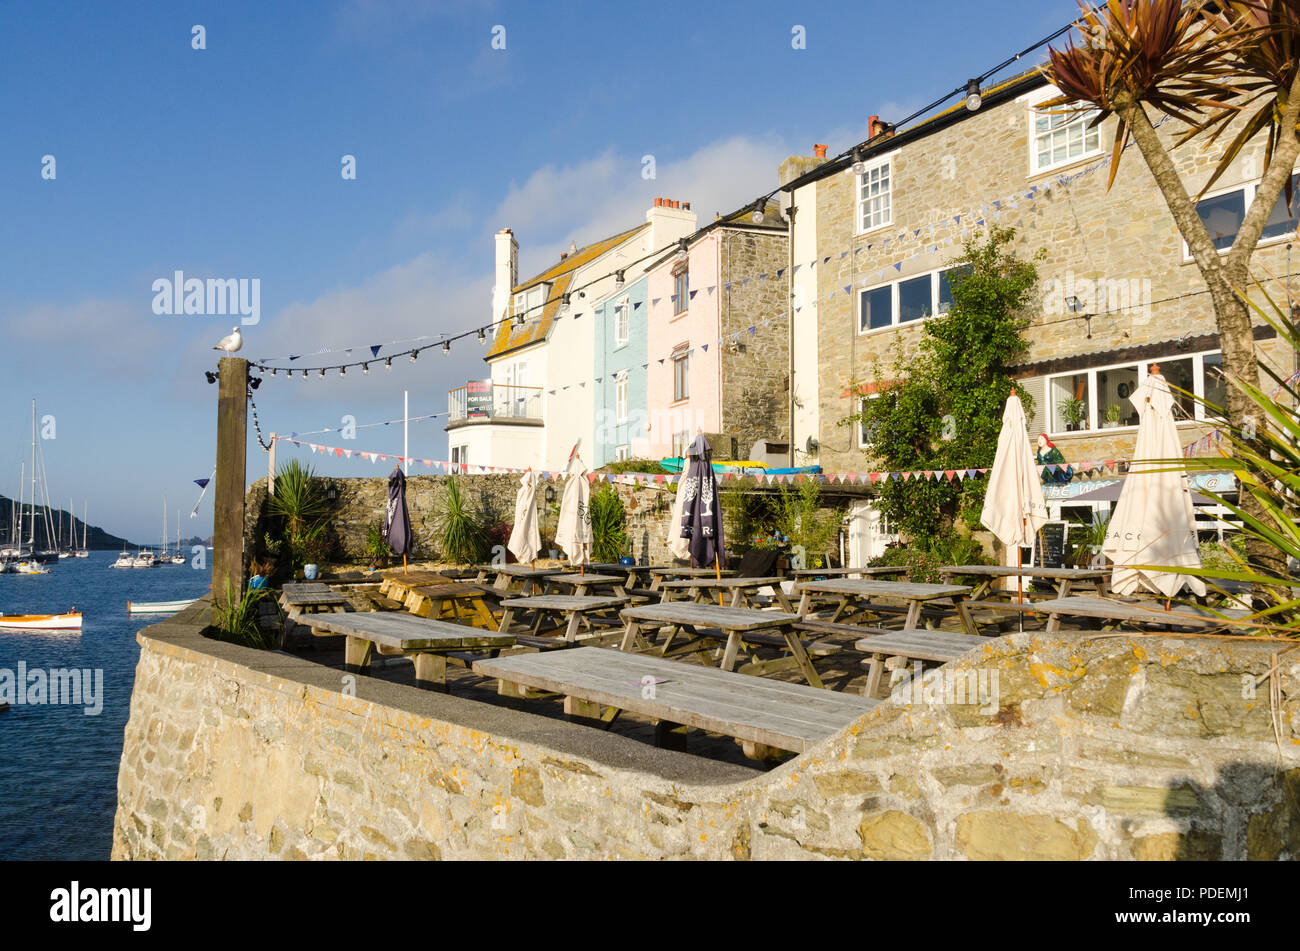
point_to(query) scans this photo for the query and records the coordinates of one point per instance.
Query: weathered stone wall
(756, 369)
(1124, 235)
(1100, 748)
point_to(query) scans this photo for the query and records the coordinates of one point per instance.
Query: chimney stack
(668, 220)
(819, 151)
(507, 273)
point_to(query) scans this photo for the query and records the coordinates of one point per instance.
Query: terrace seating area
(742, 668)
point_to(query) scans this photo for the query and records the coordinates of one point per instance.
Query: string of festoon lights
(971, 90)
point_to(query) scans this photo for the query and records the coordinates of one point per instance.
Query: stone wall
(1123, 237)
(1100, 748)
(756, 369)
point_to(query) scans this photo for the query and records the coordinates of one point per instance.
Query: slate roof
(537, 325)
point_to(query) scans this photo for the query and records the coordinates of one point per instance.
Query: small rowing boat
(41, 622)
(157, 607)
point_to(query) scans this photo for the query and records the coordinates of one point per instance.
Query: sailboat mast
(32, 538)
(85, 510)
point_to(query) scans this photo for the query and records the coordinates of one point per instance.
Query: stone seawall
(1109, 747)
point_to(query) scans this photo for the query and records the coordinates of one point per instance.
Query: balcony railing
(483, 401)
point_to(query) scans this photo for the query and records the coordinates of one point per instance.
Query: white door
(868, 534)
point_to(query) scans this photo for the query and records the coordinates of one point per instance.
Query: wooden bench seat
(941, 646)
(764, 715)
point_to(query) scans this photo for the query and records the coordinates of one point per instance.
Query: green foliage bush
(608, 525)
(236, 619)
(462, 535)
(923, 564)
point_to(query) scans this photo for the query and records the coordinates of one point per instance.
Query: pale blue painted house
(621, 359)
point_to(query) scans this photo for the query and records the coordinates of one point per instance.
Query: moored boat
(124, 560)
(157, 607)
(41, 622)
(31, 567)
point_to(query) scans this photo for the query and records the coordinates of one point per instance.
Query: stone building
(718, 341)
(875, 236)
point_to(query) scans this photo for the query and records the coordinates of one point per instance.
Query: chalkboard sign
(1050, 552)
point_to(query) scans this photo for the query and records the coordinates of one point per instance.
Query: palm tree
(1204, 66)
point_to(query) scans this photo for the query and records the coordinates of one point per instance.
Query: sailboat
(178, 558)
(29, 561)
(72, 545)
(84, 551)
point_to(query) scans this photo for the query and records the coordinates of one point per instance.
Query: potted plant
(1075, 414)
(1113, 412)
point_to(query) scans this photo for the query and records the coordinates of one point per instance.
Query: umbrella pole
(1020, 579)
(403, 563)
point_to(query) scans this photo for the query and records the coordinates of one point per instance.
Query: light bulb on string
(446, 347)
(388, 363)
(343, 371)
(757, 216)
(973, 98)
(482, 335)
(859, 166)
(618, 280)
(322, 373)
(414, 354)
(365, 368)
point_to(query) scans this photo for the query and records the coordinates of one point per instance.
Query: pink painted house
(708, 371)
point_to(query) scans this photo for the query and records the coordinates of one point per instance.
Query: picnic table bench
(311, 598)
(860, 592)
(712, 622)
(742, 590)
(878, 571)
(426, 642)
(397, 584)
(1063, 578)
(1114, 613)
(658, 575)
(584, 583)
(763, 715)
(942, 646)
(452, 601)
(516, 579)
(574, 610)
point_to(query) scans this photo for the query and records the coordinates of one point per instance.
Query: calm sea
(58, 766)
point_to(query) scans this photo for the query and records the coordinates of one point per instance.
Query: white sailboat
(72, 545)
(84, 551)
(178, 558)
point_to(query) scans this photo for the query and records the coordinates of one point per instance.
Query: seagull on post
(231, 343)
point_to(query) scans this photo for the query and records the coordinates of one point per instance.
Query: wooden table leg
(801, 658)
(963, 612)
(631, 634)
(804, 601)
(571, 629)
(1053, 623)
(877, 667)
(839, 608)
(913, 615)
(737, 599)
(356, 653)
(507, 618)
(782, 599)
(431, 670)
(1063, 590)
(732, 649)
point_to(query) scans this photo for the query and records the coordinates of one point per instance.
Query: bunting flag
(203, 487)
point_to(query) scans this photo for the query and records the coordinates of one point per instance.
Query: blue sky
(225, 162)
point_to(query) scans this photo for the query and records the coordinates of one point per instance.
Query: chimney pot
(686, 206)
(658, 202)
(819, 151)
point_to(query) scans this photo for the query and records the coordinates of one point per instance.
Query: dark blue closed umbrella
(701, 512)
(397, 523)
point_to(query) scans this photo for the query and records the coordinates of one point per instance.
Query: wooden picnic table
(943, 646)
(1114, 613)
(451, 602)
(872, 572)
(860, 591)
(311, 598)
(427, 642)
(707, 622)
(658, 575)
(764, 715)
(397, 584)
(575, 610)
(742, 590)
(583, 583)
(517, 579)
(1063, 578)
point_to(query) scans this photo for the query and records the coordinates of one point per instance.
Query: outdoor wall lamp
(550, 494)
(331, 494)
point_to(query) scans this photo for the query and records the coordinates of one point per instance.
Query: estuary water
(58, 763)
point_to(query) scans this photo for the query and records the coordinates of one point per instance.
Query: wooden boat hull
(41, 622)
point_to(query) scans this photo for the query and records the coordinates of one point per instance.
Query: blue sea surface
(58, 766)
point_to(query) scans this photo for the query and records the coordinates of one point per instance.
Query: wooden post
(228, 505)
(270, 469)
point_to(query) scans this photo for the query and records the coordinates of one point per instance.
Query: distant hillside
(96, 539)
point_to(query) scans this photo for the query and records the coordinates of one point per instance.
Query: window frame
(681, 290)
(1144, 367)
(863, 443)
(896, 300)
(621, 396)
(682, 359)
(622, 321)
(858, 200)
(1248, 190)
(1034, 112)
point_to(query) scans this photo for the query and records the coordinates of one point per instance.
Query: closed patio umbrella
(1014, 510)
(678, 545)
(573, 533)
(1153, 522)
(526, 537)
(701, 514)
(397, 522)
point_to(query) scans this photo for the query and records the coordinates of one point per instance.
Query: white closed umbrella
(526, 537)
(574, 531)
(678, 545)
(1153, 522)
(1014, 510)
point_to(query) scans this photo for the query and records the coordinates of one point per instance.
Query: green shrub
(462, 536)
(608, 525)
(236, 619)
(799, 516)
(651, 466)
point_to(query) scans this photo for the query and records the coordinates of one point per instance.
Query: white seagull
(232, 343)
